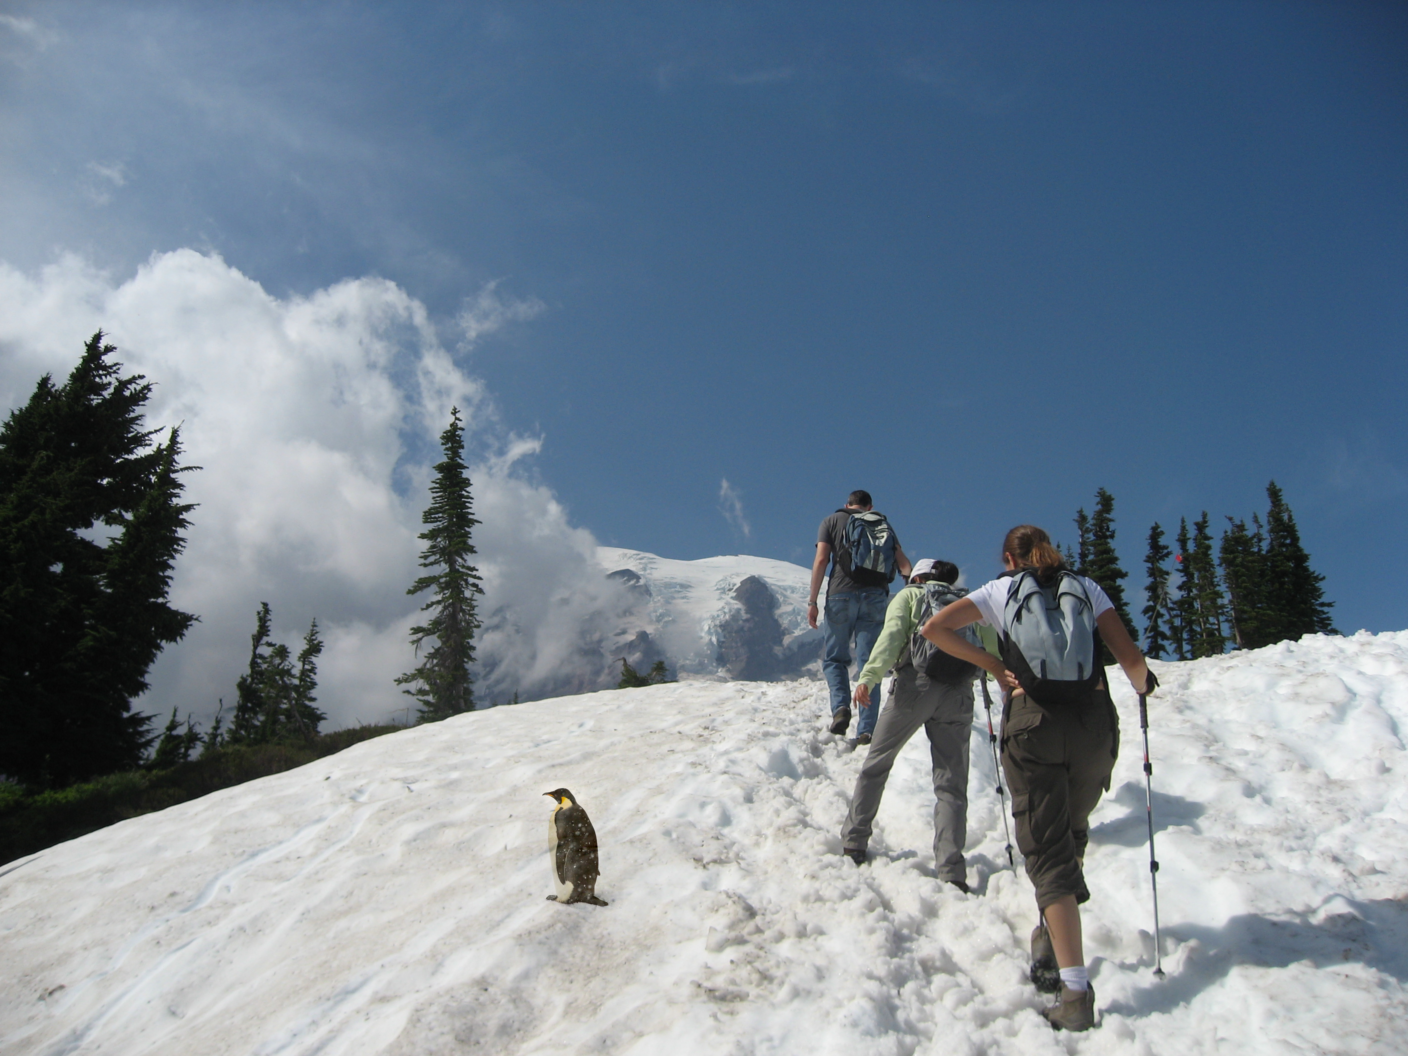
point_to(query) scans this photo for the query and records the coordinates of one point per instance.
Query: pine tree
(1158, 619)
(175, 745)
(1082, 554)
(633, 679)
(442, 684)
(1101, 563)
(91, 524)
(1185, 606)
(1243, 559)
(250, 708)
(1208, 637)
(304, 716)
(273, 702)
(1295, 598)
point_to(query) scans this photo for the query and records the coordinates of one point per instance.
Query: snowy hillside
(391, 899)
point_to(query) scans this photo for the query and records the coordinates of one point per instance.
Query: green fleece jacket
(901, 621)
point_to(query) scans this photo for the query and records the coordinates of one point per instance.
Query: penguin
(572, 845)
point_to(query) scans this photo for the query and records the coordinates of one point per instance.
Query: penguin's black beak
(549, 795)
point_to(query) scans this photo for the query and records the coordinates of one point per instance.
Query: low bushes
(30, 822)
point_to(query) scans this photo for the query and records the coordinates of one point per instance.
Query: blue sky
(980, 259)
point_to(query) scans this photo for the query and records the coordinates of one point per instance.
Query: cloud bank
(315, 421)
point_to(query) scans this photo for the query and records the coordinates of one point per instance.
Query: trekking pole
(1149, 812)
(997, 768)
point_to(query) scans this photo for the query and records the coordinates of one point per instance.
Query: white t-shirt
(991, 598)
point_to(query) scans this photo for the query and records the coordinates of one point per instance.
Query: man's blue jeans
(860, 616)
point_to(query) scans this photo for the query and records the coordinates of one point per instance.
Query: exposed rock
(752, 641)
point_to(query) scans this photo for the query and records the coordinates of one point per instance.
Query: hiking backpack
(869, 554)
(931, 662)
(1050, 641)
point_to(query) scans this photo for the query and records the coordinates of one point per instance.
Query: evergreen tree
(217, 736)
(1243, 559)
(1082, 554)
(1208, 638)
(273, 701)
(91, 524)
(1158, 619)
(1295, 598)
(175, 745)
(442, 684)
(306, 717)
(1185, 606)
(633, 679)
(1100, 562)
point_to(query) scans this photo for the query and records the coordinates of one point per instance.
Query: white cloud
(731, 506)
(100, 178)
(304, 413)
(488, 311)
(28, 31)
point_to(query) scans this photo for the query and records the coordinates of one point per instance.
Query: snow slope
(391, 899)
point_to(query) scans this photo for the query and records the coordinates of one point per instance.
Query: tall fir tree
(1242, 556)
(441, 684)
(1295, 598)
(1208, 638)
(1158, 630)
(91, 525)
(1185, 605)
(1101, 563)
(1082, 554)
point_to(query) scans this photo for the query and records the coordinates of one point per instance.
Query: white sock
(1077, 978)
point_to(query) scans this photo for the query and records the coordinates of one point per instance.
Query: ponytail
(1031, 548)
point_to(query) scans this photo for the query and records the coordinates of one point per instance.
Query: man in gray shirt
(855, 611)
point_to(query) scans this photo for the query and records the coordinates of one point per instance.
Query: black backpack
(930, 662)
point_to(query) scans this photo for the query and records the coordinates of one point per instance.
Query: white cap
(922, 567)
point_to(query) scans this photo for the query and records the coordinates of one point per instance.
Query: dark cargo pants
(1058, 763)
(946, 713)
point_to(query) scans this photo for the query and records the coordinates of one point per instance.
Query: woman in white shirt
(1057, 759)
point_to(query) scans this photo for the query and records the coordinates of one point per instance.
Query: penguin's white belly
(564, 887)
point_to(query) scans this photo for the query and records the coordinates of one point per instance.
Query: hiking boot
(863, 738)
(855, 854)
(1075, 1010)
(840, 720)
(1044, 973)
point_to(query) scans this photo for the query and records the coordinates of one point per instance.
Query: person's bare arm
(940, 630)
(902, 562)
(1113, 631)
(823, 556)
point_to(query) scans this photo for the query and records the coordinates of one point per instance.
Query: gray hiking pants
(946, 713)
